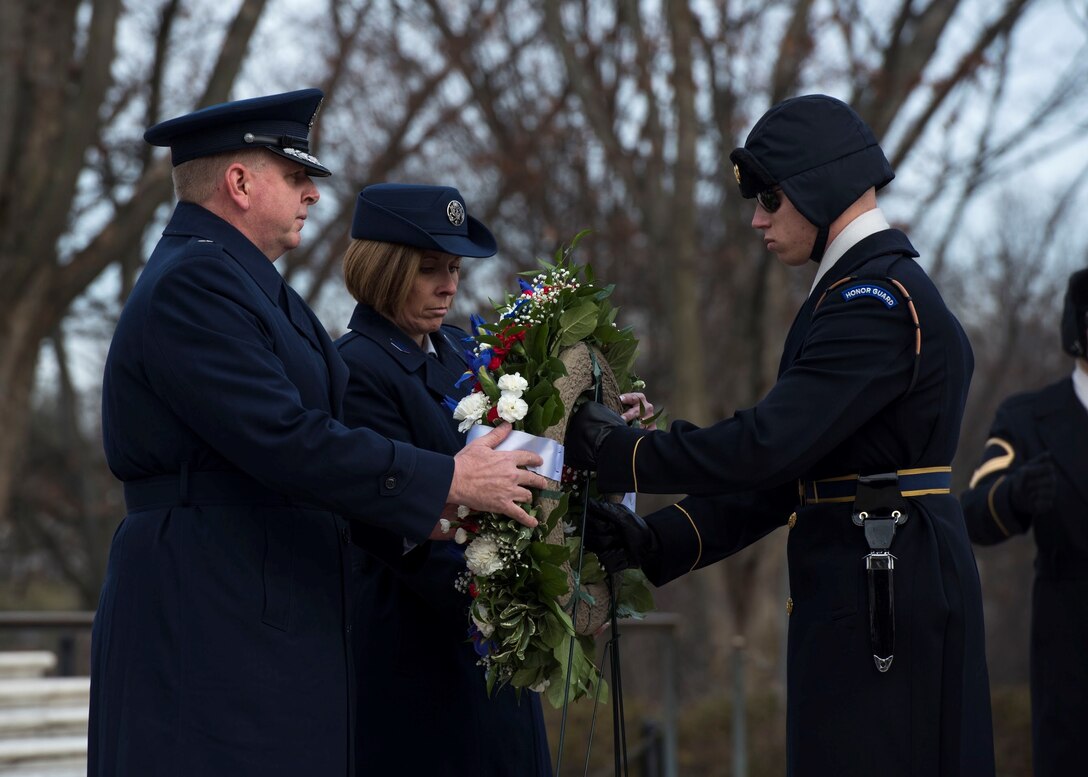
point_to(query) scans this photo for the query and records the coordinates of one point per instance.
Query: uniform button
(792, 521)
(390, 483)
(789, 605)
(349, 628)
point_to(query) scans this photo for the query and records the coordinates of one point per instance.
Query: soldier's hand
(492, 481)
(1033, 486)
(619, 537)
(586, 432)
(638, 407)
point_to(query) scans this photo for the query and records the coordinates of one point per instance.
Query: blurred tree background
(551, 116)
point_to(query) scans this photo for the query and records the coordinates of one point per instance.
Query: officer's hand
(619, 537)
(1033, 485)
(492, 481)
(586, 432)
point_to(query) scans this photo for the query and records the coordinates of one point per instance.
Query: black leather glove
(619, 537)
(1032, 486)
(586, 432)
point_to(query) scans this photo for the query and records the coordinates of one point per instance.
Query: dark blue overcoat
(416, 669)
(221, 645)
(844, 404)
(1026, 425)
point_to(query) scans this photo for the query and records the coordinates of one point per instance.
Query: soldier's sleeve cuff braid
(698, 537)
(997, 463)
(634, 472)
(993, 510)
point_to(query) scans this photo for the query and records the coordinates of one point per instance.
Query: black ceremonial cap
(423, 216)
(818, 150)
(279, 122)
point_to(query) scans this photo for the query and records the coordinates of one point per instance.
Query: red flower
(496, 362)
(492, 415)
(473, 591)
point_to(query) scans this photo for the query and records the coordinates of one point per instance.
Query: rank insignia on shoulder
(859, 290)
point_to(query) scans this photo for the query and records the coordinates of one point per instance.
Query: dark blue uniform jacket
(220, 646)
(1026, 425)
(416, 669)
(846, 402)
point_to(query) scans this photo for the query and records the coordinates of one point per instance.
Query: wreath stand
(591, 606)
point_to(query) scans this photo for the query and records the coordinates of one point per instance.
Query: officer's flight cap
(819, 151)
(1075, 315)
(427, 217)
(279, 122)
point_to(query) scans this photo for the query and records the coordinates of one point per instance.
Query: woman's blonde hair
(381, 274)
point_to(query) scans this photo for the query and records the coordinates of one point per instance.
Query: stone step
(64, 768)
(44, 692)
(30, 722)
(26, 663)
(42, 752)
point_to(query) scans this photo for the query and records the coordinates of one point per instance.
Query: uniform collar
(193, 220)
(1080, 384)
(868, 223)
(371, 324)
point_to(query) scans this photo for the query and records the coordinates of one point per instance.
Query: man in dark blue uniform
(221, 644)
(851, 450)
(1034, 476)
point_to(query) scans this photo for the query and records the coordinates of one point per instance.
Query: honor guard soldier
(220, 647)
(850, 449)
(1034, 476)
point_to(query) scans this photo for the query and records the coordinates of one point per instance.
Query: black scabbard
(880, 568)
(879, 507)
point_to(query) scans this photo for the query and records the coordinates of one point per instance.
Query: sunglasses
(770, 199)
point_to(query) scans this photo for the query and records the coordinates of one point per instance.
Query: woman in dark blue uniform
(1034, 477)
(873, 380)
(416, 672)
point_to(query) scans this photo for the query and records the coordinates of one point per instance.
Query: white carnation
(470, 410)
(511, 408)
(480, 618)
(482, 557)
(513, 384)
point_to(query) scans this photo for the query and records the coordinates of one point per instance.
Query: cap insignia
(455, 212)
(301, 155)
(736, 172)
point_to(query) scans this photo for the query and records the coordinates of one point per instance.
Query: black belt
(912, 482)
(204, 488)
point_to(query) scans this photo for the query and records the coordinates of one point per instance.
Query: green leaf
(621, 355)
(487, 383)
(578, 322)
(545, 552)
(606, 333)
(551, 631)
(552, 581)
(524, 678)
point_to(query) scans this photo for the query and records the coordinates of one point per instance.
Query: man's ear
(238, 182)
